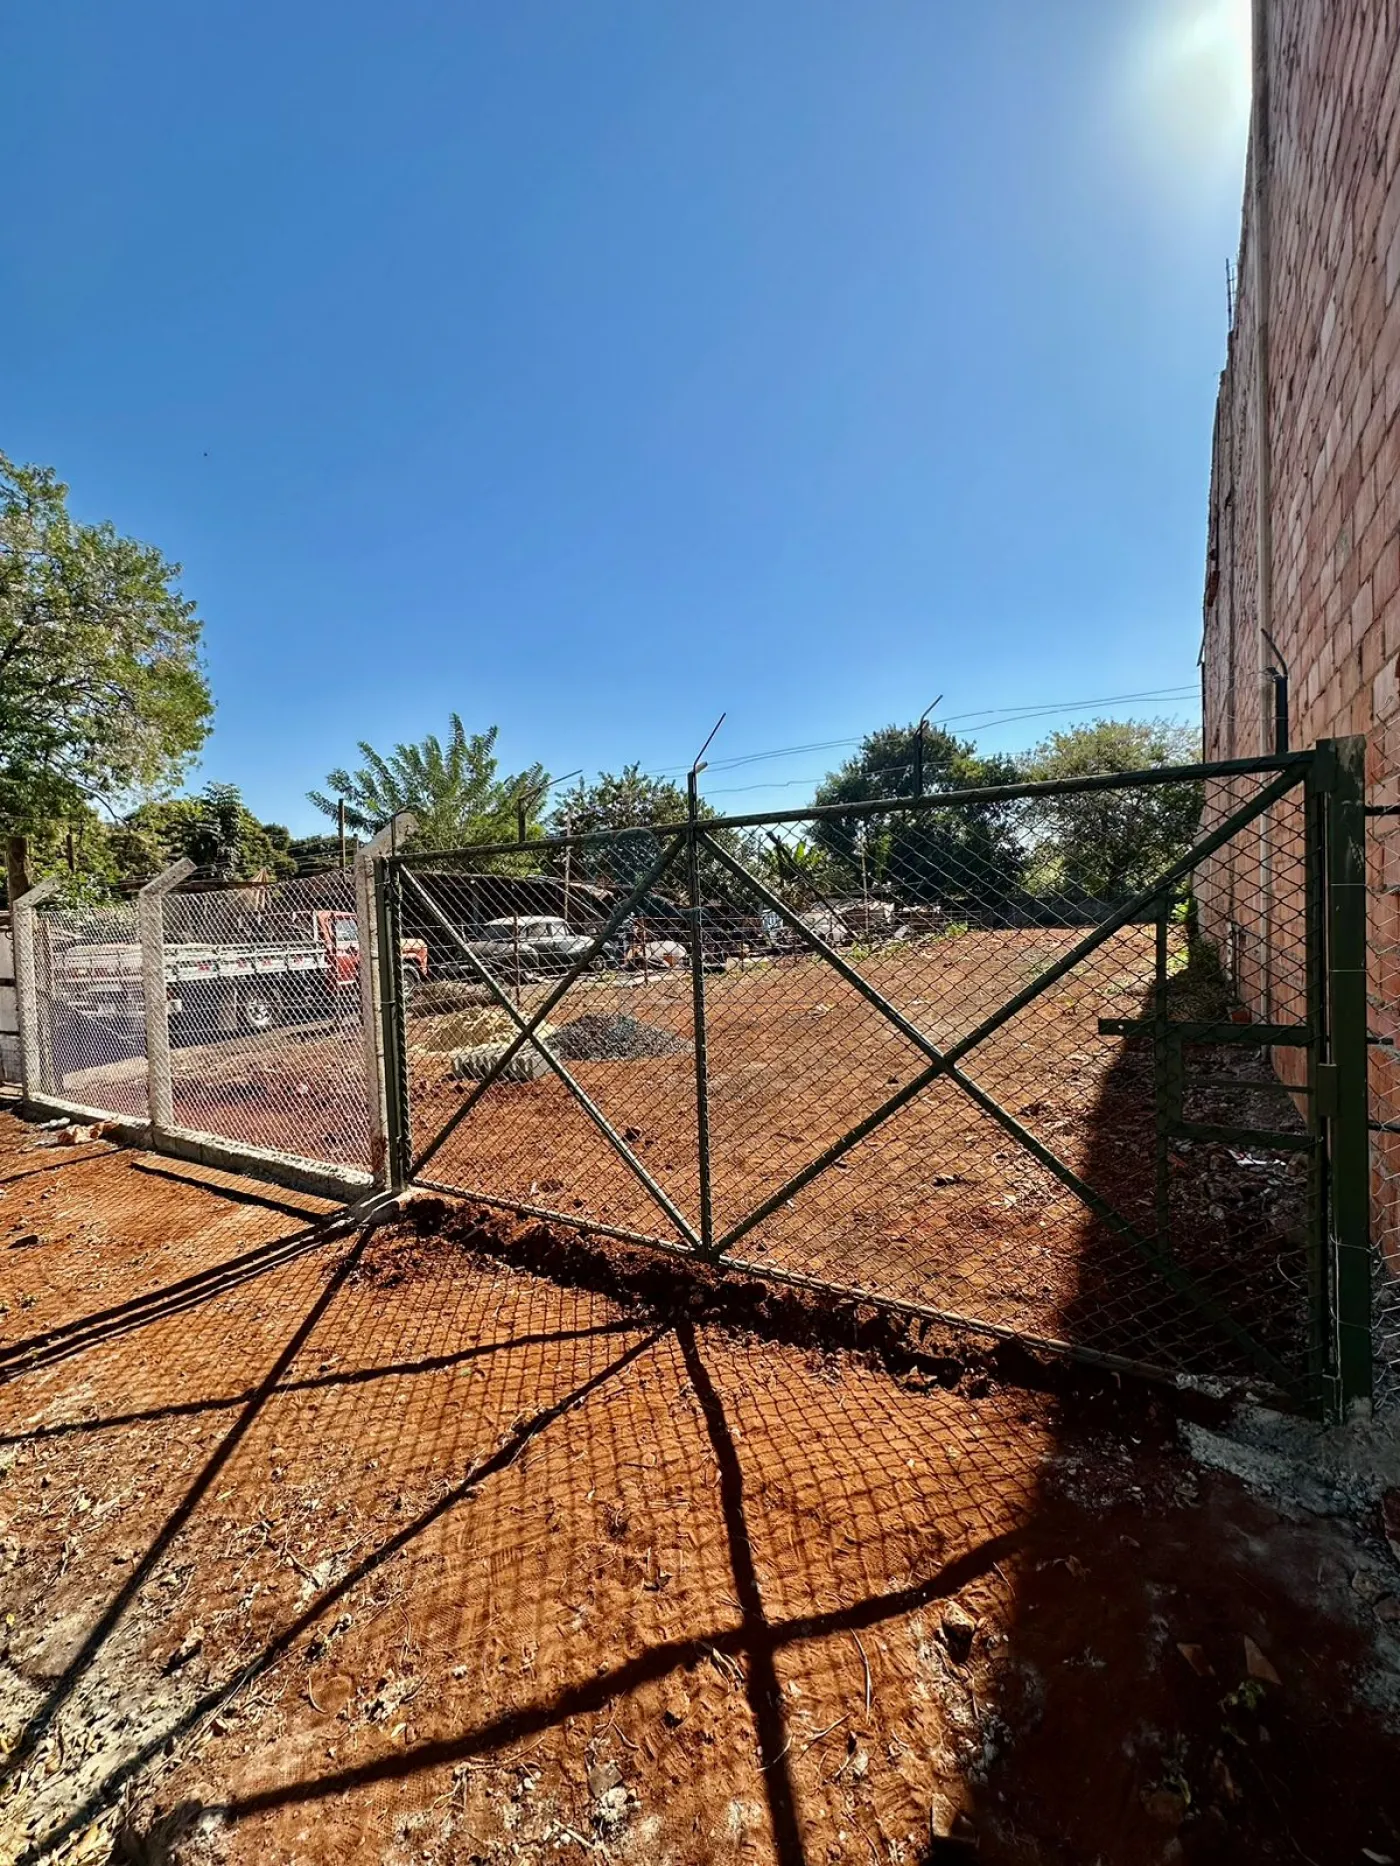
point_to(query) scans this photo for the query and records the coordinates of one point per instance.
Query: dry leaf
(1258, 1666)
(1195, 1657)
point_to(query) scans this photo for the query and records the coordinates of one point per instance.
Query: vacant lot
(328, 1546)
(941, 1204)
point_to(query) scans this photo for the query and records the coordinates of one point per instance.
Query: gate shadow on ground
(1136, 1728)
(844, 1507)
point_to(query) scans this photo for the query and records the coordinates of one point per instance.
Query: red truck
(250, 986)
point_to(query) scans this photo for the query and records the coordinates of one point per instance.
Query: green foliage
(453, 790)
(619, 810)
(1104, 844)
(968, 853)
(215, 830)
(627, 799)
(101, 689)
(314, 855)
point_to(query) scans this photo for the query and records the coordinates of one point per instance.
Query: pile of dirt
(447, 994)
(677, 1287)
(598, 1037)
(466, 1028)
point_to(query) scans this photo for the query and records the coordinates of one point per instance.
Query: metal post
(697, 991)
(396, 1153)
(150, 930)
(1348, 1135)
(1319, 1256)
(1162, 1069)
(31, 1027)
(367, 936)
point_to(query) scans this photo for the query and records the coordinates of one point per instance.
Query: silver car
(535, 942)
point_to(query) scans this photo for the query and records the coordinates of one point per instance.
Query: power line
(988, 717)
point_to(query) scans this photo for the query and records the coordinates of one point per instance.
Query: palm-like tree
(452, 789)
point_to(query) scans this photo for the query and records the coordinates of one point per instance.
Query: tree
(101, 689)
(453, 790)
(951, 853)
(215, 830)
(619, 810)
(628, 799)
(1108, 843)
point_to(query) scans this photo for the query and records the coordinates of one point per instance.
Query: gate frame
(1330, 776)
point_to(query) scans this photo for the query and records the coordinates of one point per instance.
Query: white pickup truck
(251, 986)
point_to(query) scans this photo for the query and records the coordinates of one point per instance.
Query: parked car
(529, 942)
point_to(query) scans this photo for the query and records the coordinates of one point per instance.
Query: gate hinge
(1325, 1100)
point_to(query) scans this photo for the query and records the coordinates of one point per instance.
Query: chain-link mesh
(266, 1039)
(1383, 875)
(90, 1015)
(993, 1058)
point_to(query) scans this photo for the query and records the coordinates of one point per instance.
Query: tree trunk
(17, 866)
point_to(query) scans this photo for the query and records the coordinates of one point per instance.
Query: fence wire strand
(1141, 1199)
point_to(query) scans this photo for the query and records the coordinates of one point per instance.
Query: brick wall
(1334, 425)
(1334, 341)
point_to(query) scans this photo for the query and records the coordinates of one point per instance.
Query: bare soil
(944, 1204)
(941, 1204)
(445, 1542)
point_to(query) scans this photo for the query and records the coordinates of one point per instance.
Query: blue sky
(596, 366)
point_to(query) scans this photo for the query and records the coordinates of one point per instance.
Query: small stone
(1387, 1609)
(611, 1810)
(602, 1777)
(186, 1650)
(956, 1631)
(1258, 1666)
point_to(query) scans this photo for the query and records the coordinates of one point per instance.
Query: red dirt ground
(326, 1546)
(939, 1205)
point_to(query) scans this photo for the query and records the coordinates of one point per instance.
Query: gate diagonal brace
(541, 1013)
(945, 1062)
(580, 1095)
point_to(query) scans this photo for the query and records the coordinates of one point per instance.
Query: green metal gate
(892, 1050)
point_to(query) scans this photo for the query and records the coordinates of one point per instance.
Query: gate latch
(1325, 1100)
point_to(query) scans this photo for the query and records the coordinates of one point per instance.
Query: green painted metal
(1333, 1035)
(610, 926)
(1123, 916)
(701, 1028)
(396, 1105)
(1286, 762)
(1349, 1165)
(580, 1094)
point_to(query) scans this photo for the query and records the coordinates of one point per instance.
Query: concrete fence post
(390, 838)
(150, 930)
(32, 1033)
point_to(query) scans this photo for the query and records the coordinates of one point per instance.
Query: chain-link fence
(1000, 1058)
(90, 1021)
(227, 1015)
(266, 1029)
(1383, 995)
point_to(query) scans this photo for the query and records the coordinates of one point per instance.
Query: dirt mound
(598, 1037)
(464, 1029)
(447, 994)
(678, 1288)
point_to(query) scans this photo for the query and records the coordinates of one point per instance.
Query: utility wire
(988, 717)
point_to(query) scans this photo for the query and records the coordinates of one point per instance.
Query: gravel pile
(597, 1037)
